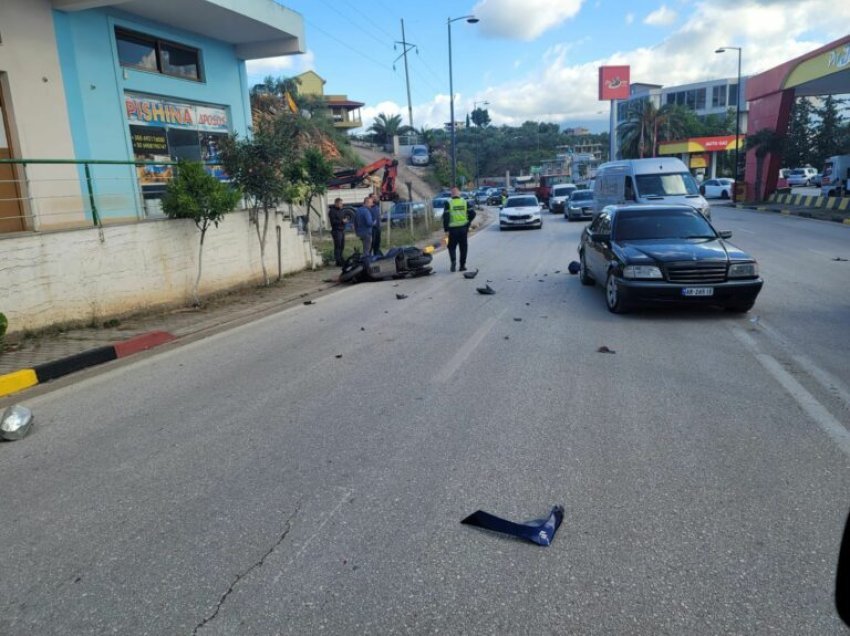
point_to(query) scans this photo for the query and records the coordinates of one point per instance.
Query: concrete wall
(72, 275)
(32, 81)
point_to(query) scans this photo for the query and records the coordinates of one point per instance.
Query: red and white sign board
(613, 82)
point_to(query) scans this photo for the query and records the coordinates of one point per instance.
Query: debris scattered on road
(486, 290)
(528, 304)
(574, 267)
(838, 258)
(604, 349)
(339, 355)
(15, 423)
(469, 275)
(400, 296)
(539, 531)
(540, 280)
(557, 271)
(517, 319)
(362, 328)
(309, 302)
(507, 337)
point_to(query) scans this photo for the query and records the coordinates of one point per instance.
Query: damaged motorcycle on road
(398, 262)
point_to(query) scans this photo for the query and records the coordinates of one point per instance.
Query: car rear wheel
(612, 296)
(724, 194)
(584, 275)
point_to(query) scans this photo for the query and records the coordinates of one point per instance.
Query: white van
(656, 180)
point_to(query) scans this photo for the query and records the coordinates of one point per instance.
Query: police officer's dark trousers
(457, 239)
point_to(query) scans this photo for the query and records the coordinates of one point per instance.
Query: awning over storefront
(257, 28)
(700, 145)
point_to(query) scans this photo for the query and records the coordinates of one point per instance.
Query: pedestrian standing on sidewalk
(457, 217)
(363, 225)
(375, 209)
(338, 217)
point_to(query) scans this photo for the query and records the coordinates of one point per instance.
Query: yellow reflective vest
(458, 216)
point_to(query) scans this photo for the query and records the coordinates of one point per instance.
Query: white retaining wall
(50, 278)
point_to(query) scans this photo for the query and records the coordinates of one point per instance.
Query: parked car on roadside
(438, 204)
(721, 188)
(559, 195)
(521, 211)
(402, 211)
(580, 206)
(801, 176)
(419, 156)
(817, 180)
(665, 254)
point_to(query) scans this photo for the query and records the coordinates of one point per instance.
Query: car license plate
(698, 291)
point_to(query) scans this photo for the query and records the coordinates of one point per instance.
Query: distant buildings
(345, 112)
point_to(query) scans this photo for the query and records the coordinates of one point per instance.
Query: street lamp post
(472, 20)
(477, 175)
(723, 49)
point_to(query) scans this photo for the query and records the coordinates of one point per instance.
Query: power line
(376, 26)
(348, 46)
(352, 20)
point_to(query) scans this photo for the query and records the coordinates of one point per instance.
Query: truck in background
(836, 175)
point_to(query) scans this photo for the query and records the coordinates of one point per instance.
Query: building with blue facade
(131, 80)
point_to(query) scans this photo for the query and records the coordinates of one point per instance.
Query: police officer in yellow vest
(457, 217)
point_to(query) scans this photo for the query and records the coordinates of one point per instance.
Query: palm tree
(385, 127)
(765, 142)
(645, 126)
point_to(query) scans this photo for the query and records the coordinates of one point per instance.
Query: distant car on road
(438, 204)
(402, 211)
(665, 254)
(801, 176)
(559, 195)
(419, 156)
(521, 211)
(580, 206)
(717, 188)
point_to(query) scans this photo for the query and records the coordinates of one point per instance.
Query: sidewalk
(52, 352)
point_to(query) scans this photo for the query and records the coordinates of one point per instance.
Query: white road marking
(461, 355)
(814, 409)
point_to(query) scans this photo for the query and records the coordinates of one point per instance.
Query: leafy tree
(646, 126)
(481, 117)
(828, 133)
(310, 176)
(800, 145)
(258, 166)
(765, 142)
(197, 195)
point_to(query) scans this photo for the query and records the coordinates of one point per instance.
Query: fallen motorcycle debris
(539, 531)
(574, 267)
(486, 290)
(604, 349)
(470, 275)
(400, 296)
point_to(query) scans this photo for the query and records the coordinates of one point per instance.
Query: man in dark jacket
(457, 217)
(338, 217)
(375, 209)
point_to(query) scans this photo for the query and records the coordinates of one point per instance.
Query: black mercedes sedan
(663, 254)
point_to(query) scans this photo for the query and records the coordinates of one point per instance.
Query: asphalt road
(308, 472)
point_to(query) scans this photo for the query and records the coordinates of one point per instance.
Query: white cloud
(285, 66)
(769, 35)
(662, 16)
(523, 19)
(630, 17)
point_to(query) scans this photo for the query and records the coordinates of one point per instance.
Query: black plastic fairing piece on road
(539, 531)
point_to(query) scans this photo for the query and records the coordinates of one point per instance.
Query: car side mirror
(725, 234)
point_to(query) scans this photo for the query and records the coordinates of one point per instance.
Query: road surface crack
(241, 575)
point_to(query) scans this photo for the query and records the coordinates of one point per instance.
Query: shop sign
(159, 111)
(613, 82)
(833, 61)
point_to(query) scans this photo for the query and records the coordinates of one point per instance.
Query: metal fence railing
(42, 194)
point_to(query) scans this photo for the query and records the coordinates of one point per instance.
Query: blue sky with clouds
(537, 59)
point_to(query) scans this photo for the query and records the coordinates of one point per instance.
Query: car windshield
(521, 202)
(561, 191)
(666, 185)
(420, 151)
(640, 225)
(582, 195)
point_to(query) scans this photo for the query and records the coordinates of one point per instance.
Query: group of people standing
(457, 217)
(367, 226)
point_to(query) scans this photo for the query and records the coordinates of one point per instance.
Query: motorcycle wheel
(351, 274)
(418, 261)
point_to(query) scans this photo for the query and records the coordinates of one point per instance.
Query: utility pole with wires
(406, 46)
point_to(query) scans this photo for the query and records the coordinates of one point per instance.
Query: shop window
(148, 53)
